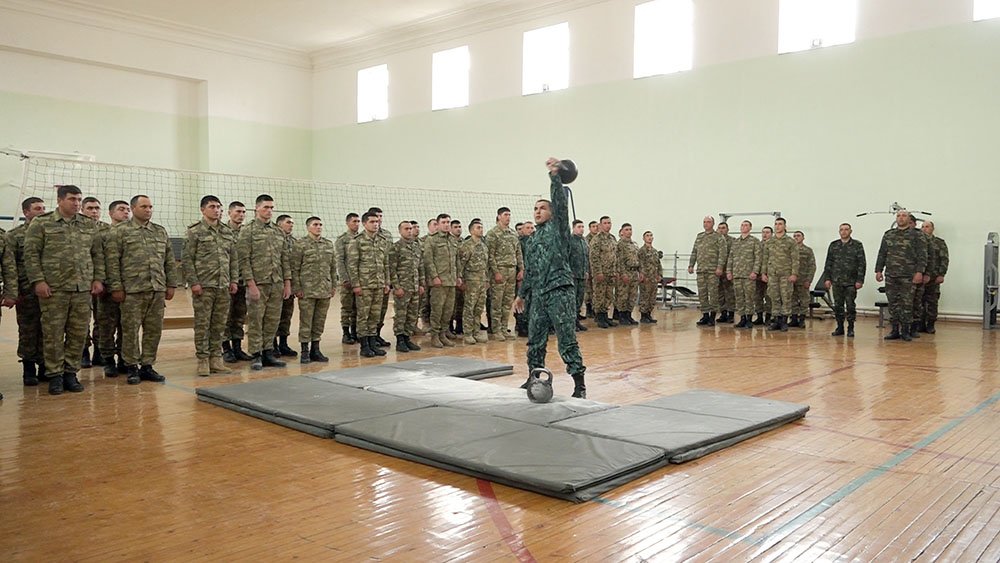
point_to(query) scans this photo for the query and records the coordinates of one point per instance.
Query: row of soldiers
(620, 274)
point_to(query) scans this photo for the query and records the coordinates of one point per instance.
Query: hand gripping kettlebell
(540, 390)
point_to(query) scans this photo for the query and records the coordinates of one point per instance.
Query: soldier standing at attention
(109, 313)
(368, 268)
(281, 348)
(384, 233)
(742, 270)
(456, 322)
(650, 274)
(29, 315)
(627, 257)
(918, 288)
(844, 273)
(727, 295)
(780, 271)
(406, 278)
(441, 261)
(549, 283)
(348, 310)
(521, 319)
(603, 272)
(8, 272)
(425, 300)
(142, 273)
(709, 254)
(211, 268)
(588, 297)
(762, 303)
(800, 290)
(92, 208)
(579, 263)
(936, 270)
(314, 283)
(903, 257)
(232, 347)
(62, 256)
(472, 268)
(506, 268)
(264, 266)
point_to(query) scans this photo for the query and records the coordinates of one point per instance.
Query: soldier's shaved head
(928, 227)
(708, 223)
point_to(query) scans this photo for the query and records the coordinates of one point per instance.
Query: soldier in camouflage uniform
(937, 269)
(603, 272)
(348, 310)
(742, 270)
(727, 293)
(211, 267)
(506, 268)
(780, 271)
(406, 278)
(92, 208)
(650, 274)
(844, 273)
(281, 347)
(29, 315)
(264, 265)
(903, 257)
(425, 298)
(762, 302)
(627, 266)
(588, 297)
(314, 283)
(521, 319)
(385, 298)
(441, 262)
(800, 290)
(109, 313)
(232, 347)
(458, 315)
(710, 254)
(8, 272)
(62, 257)
(549, 282)
(579, 263)
(918, 288)
(368, 269)
(142, 275)
(473, 256)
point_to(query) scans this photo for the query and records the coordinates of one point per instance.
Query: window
(663, 37)
(809, 24)
(985, 9)
(373, 93)
(450, 78)
(546, 59)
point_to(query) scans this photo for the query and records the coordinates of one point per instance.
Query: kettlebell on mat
(539, 390)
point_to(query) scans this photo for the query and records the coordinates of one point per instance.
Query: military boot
(366, 347)
(304, 353)
(354, 334)
(216, 365)
(840, 328)
(759, 320)
(783, 319)
(401, 344)
(627, 318)
(480, 337)
(930, 328)
(269, 359)
(71, 383)
(347, 339)
(29, 374)
(227, 352)
(602, 320)
(443, 336)
(238, 351)
(85, 359)
(794, 322)
(133, 375)
(850, 329)
(590, 310)
(381, 342)
(315, 354)
(913, 330)
(894, 335)
(147, 373)
(122, 367)
(256, 363)
(436, 340)
(703, 320)
(711, 319)
(921, 326)
(375, 345)
(459, 327)
(203, 369)
(110, 369)
(580, 327)
(648, 319)
(744, 322)
(56, 385)
(283, 349)
(409, 344)
(904, 332)
(469, 339)
(579, 386)
(97, 359)
(768, 318)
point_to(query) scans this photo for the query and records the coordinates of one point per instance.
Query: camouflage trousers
(383, 309)
(918, 301)
(843, 298)
(581, 293)
(93, 332)
(761, 300)
(708, 292)
(475, 304)
(65, 316)
(603, 294)
(779, 289)
(727, 295)
(442, 307)
(369, 305)
(554, 308)
(237, 313)
(800, 298)
(503, 298)
(647, 295)
(459, 304)
(29, 328)
(348, 308)
(312, 318)
(932, 294)
(745, 291)
(899, 294)
(109, 325)
(406, 311)
(263, 316)
(142, 311)
(626, 293)
(425, 306)
(210, 315)
(285, 322)
(588, 291)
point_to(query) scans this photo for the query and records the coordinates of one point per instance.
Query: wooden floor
(899, 459)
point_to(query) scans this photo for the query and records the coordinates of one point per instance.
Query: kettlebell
(567, 171)
(539, 390)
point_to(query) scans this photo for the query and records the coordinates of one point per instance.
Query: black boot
(627, 317)
(580, 327)
(315, 354)
(347, 339)
(913, 330)
(256, 363)
(98, 358)
(283, 349)
(711, 319)
(227, 352)
(612, 321)
(729, 315)
(238, 351)
(366, 347)
(894, 335)
(71, 383)
(850, 329)
(647, 318)
(744, 322)
(775, 323)
(354, 334)
(85, 360)
(122, 366)
(269, 359)
(768, 318)
(409, 344)
(133, 375)
(375, 345)
(579, 386)
(602, 320)
(930, 328)
(381, 342)
(304, 354)
(840, 328)
(401, 344)
(703, 320)
(760, 319)
(459, 328)
(793, 322)
(30, 375)
(42, 376)
(904, 332)
(921, 326)
(147, 373)
(590, 310)
(110, 369)
(56, 385)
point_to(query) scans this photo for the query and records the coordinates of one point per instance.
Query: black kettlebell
(567, 171)
(539, 390)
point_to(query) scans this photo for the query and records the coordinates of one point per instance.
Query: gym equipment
(539, 390)
(454, 366)
(991, 281)
(893, 209)
(567, 171)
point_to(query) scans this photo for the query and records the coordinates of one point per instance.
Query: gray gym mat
(305, 404)
(548, 460)
(454, 366)
(516, 406)
(445, 390)
(367, 376)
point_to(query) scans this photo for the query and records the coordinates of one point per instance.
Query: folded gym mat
(516, 406)
(363, 377)
(306, 404)
(455, 366)
(445, 390)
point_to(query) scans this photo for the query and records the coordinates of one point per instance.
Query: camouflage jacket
(441, 258)
(745, 255)
(627, 258)
(262, 253)
(236, 237)
(807, 263)
(780, 257)
(9, 266)
(314, 267)
(406, 265)
(473, 257)
(15, 246)
(649, 264)
(709, 252)
(845, 263)
(602, 255)
(64, 253)
(368, 261)
(342, 242)
(504, 250)
(209, 258)
(939, 266)
(140, 258)
(579, 257)
(903, 253)
(546, 256)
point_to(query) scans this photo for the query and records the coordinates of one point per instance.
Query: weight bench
(881, 308)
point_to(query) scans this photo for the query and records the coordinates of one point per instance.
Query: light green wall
(819, 135)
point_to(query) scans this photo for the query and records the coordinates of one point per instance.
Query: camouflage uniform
(287, 305)
(902, 254)
(8, 268)
(845, 266)
(66, 254)
(210, 260)
(473, 256)
(588, 294)
(141, 263)
(919, 288)
(780, 259)
(405, 272)
(389, 239)
(745, 255)
(263, 260)
(441, 261)
(709, 253)
(800, 290)
(425, 299)
(602, 262)
(938, 266)
(521, 319)
(314, 272)
(504, 258)
(652, 271)
(348, 310)
(579, 261)
(456, 317)
(627, 265)
(29, 315)
(368, 268)
(108, 325)
(727, 291)
(238, 301)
